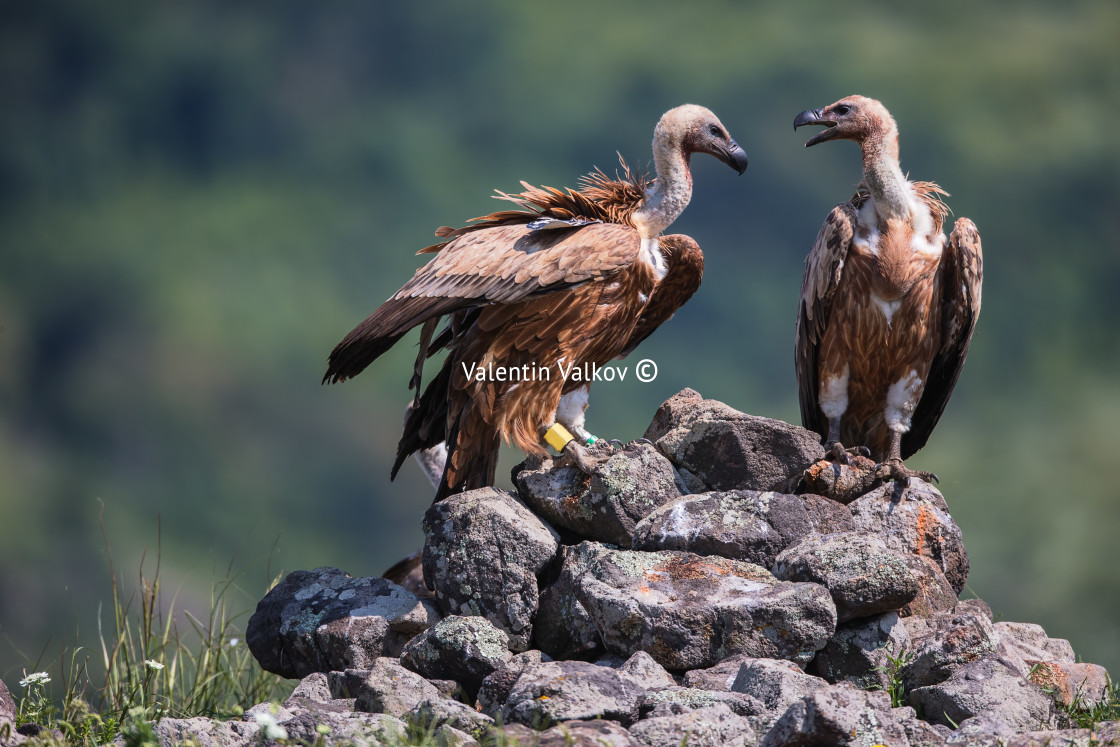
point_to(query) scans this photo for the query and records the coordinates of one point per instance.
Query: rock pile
(673, 594)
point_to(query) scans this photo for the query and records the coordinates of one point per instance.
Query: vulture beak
(816, 117)
(735, 157)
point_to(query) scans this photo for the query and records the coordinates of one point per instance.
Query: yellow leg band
(558, 437)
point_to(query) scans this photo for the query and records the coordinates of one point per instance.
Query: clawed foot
(894, 469)
(581, 457)
(618, 444)
(835, 452)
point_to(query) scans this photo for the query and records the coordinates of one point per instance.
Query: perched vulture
(570, 277)
(888, 306)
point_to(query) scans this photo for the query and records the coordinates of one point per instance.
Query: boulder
(1031, 642)
(726, 449)
(464, 649)
(987, 686)
(675, 700)
(776, 684)
(842, 483)
(645, 671)
(746, 525)
(714, 726)
(949, 642)
(390, 688)
(719, 677)
(434, 713)
(838, 716)
(496, 687)
(606, 504)
(303, 725)
(597, 733)
(562, 627)
(483, 550)
(325, 620)
(935, 593)
(1082, 684)
(690, 612)
(862, 575)
(204, 732)
(552, 692)
(917, 522)
(861, 651)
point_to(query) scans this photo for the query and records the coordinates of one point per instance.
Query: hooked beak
(735, 157)
(815, 117)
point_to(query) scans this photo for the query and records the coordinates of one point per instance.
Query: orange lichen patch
(684, 568)
(1051, 677)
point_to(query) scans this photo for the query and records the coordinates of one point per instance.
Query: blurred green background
(198, 200)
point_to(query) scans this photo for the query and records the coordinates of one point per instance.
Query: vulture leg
(834, 451)
(894, 469)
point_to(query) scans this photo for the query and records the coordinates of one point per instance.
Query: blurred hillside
(197, 201)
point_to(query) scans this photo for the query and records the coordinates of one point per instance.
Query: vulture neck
(884, 178)
(668, 195)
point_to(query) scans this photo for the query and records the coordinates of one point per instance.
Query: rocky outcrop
(673, 595)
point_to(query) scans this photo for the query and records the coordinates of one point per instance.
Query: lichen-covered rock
(713, 726)
(860, 651)
(392, 689)
(315, 688)
(920, 733)
(727, 449)
(948, 642)
(304, 725)
(552, 692)
(685, 699)
(1031, 642)
(718, 677)
(431, 714)
(606, 504)
(838, 715)
(863, 576)
(935, 593)
(916, 523)
(988, 686)
(483, 550)
(325, 620)
(597, 733)
(646, 672)
(690, 612)
(1069, 683)
(497, 686)
(464, 649)
(199, 731)
(842, 483)
(562, 627)
(8, 708)
(739, 524)
(776, 684)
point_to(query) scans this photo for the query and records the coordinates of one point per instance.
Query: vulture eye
(715, 131)
(843, 109)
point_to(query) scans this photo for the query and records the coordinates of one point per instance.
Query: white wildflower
(270, 728)
(153, 665)
(233, 642)
(35, 678)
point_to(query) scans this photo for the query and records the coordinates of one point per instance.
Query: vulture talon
(894, 470)
(581, 458)
(617, 443)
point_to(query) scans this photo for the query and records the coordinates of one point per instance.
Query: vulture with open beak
(888, 305)
(568, 280)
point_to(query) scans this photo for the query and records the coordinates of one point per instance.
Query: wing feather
(824, 267)
(685, 264)
(962, 272)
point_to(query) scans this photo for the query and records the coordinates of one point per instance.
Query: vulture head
(693, 129)
(852, 118)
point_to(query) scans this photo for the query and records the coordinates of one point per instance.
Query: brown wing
(962, 271)
(497, 265)
(823, 270)
(685, 271)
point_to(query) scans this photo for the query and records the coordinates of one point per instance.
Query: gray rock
(464, 649)
(719, 677)
(606, 504)
(512, 735)
(690, 612)
(552, 692)
(562, 627)
(739, 524)
(860, 651)
(676, 700)
(392, 689)
(920, 733)
(950, 642)
(8, 708)
(204, 732)
(978, 606)
(1033, 643)
(347, 683)
(325, 620)
(431, 714)
(918, 523)
(315, 687)
(776, 685)
(483, 550)
(935, 593)
(303, 725)
(713, 726)
(838, 716)
(597, 733)
(646, 672)
(862, 575)
(496, 687)
(842, 483)
(987, 686)
(726, 449)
